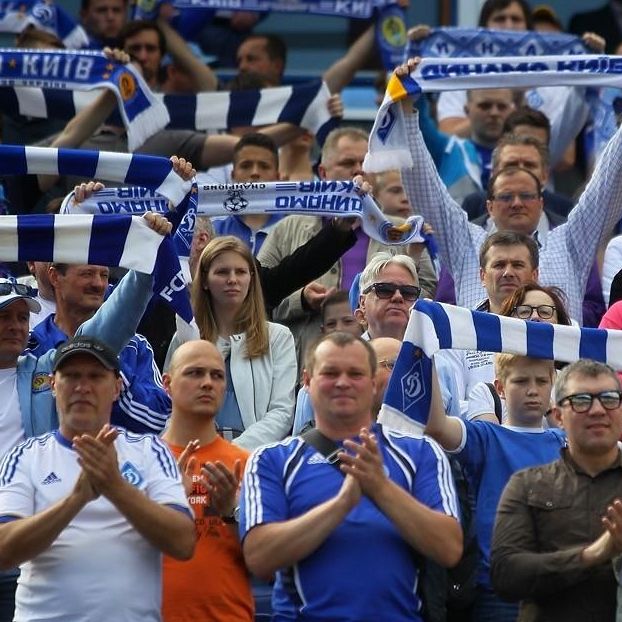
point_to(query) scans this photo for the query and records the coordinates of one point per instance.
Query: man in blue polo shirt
(344, 539)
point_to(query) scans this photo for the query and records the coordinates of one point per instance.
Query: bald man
(212, 467)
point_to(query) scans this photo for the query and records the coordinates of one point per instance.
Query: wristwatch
(233, 518)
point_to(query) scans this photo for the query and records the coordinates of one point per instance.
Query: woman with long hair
(260, 356)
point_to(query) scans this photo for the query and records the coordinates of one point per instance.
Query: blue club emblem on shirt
(130, 473)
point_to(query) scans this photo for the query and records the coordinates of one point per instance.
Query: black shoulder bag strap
(328, 448)
(497, 400)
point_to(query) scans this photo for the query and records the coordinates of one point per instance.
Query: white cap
(27, 295)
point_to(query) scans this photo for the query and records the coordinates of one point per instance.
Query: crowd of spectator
(238, 468)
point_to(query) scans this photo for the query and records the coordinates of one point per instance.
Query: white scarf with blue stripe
(434, 326)
(388, 146)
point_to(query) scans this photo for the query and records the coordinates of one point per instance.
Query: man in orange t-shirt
(214, 585)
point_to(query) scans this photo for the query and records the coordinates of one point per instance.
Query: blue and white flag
(434, 326)
(312, 198)
(142, 114)
(388, 146)
(304, 105)
(124, 241)
(15, 16)
(152, 172)
(452, 42)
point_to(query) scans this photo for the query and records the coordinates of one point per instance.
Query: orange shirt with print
(214, 585)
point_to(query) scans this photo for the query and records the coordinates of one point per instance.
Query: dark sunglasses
(8, 287)
(384, 291)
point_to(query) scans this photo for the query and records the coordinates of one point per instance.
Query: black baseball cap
(86, 345)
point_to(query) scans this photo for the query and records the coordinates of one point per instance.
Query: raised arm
(86, 122)
(448, 431)
(203, 78)
(341, 72)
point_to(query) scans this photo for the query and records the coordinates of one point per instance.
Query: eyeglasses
(524, 197)
(7, 287)
(582, 402)
(384, 291)
(387, 364)
(524, 312)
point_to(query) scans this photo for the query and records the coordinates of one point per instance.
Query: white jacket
(264, 386)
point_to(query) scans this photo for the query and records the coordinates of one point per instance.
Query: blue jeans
(489, 607)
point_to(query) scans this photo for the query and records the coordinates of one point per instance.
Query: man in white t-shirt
(87, 510)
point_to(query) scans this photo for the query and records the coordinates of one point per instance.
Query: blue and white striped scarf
(434, 326)
(304, 105)
(361, 9)
(154, 174)
(124, 241)
(142, 114)
(17, 15)
(388, 146)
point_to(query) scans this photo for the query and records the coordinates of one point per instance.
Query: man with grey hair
(389, 286)
(342, 159)
(559, 525)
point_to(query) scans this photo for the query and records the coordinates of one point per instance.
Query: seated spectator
(489, 454)
(558, 525)
(389, 286)
(390, 194)
(337, 316)
(103, 21)
(259, 355)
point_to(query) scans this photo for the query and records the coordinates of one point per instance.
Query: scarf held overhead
(312, 198)
(142, 114)
(387, 143)
(434, 326)
(304, 105)
(124, 241)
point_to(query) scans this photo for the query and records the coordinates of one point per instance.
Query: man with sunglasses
(559, 526)
(389, 287)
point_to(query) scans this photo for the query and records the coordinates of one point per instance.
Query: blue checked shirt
(567, 252)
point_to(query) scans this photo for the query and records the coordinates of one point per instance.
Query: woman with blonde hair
(260, 356)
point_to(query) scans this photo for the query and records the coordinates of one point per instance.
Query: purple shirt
(354, 260)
